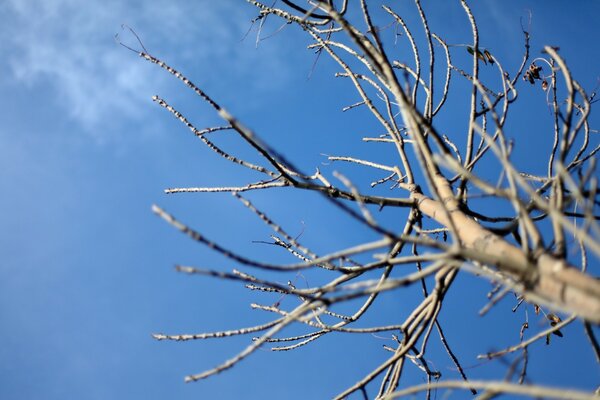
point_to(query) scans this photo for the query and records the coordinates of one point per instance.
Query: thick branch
(545, 279)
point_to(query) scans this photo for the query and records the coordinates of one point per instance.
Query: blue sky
(87, 268)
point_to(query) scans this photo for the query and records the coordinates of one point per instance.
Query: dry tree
(539, 251)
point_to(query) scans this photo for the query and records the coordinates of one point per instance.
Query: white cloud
(69, 44)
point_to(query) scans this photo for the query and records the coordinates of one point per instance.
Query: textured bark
(546, 279)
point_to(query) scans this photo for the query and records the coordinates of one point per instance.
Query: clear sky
(86, 268)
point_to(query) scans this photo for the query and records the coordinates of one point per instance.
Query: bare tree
(437, 178)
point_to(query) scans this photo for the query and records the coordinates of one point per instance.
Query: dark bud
(489, 57)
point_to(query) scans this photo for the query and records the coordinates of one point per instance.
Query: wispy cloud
(69, 44)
